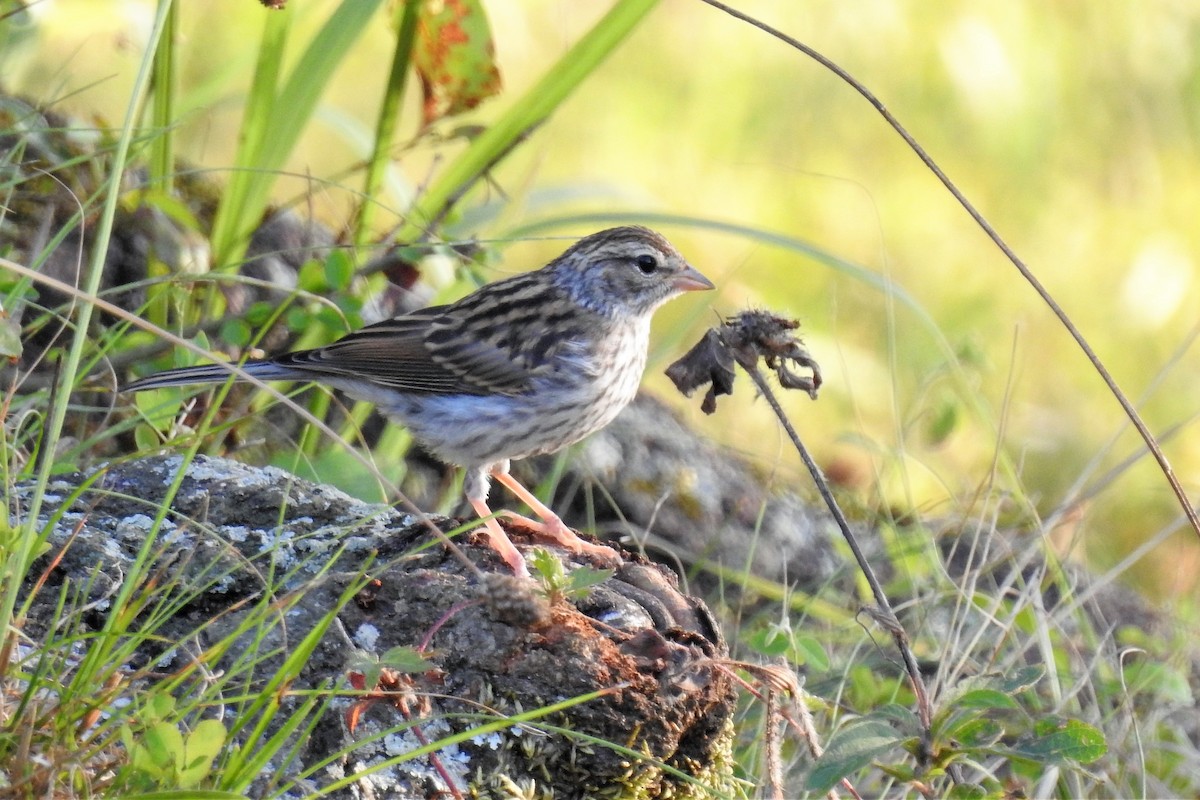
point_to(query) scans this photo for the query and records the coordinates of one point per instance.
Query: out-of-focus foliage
(1073, 126)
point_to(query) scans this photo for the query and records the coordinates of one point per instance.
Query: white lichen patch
(394, 744)
(236, 533)
(171, 465)
(491, 741)
(371, 749)
(137, 526)
(367, 636)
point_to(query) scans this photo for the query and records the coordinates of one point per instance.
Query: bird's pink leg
(500, 541)
(551, 525)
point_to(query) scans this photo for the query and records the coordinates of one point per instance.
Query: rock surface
(237, 537)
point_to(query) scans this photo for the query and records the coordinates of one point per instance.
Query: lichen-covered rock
(522, 691)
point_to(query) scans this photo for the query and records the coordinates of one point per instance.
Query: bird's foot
(502, 544)
(557, 531)
(552, 526)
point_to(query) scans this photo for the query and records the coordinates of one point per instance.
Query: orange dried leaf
(454, 58)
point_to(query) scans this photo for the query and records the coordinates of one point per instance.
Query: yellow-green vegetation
(961, 425)
(1070, 126)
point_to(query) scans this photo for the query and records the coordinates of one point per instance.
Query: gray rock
(242, 543)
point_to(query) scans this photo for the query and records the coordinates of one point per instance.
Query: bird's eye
(647, 264)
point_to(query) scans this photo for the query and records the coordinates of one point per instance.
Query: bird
(523, 366)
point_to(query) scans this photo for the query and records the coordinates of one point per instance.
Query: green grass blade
(230, 223)
(18, 559)
(389, 113)
(528, 112)
(271, 130)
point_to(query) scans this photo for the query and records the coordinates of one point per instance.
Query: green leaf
(165, 202)
(236, 332)
(312, 278)
(901, 717)
(162, 744)
(259, 313)
(978, 732)
(159, 407)
(454, 59)
(986, 699)
(339, 270)
(1019, 680)
(206, 738)
(772, 640)
(125, 733)
(351, 306)
(1061, 741)
(777, 639)
(548, 568)
(161, 706)
(405, 659)
(330, 318)
(941, 422)
(10, 337)
(582, 579)
(808, 650)
(991, 690)
(146, 438)
(961, 715)
(201, 748)
(853, 747)
(901, 771)
(1160, 680)
(297, 319)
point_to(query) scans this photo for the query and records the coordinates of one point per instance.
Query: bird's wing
(498, 339)
(428, 352)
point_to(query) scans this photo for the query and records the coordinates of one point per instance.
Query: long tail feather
(212, 373)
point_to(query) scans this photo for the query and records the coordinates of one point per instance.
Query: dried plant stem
(434, 760)
(1143, 430)
(771, 746)
(885, 608)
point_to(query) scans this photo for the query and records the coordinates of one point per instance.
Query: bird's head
(629, 271)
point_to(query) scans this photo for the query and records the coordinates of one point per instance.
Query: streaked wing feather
(499, 338)
(397, 354)
(390, 353)
(488, 368)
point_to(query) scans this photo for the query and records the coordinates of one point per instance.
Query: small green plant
(985, 718)
(366, 669)
(781, 640)
(558, 584)
(163, 753)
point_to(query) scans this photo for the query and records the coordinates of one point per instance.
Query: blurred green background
(1072, 126)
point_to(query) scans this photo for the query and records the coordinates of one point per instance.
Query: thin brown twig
(1143, 430)
(884, 610)
(434, 760)
(771, 745)
(801, 722)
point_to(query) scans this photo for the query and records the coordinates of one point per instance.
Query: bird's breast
(582, 390)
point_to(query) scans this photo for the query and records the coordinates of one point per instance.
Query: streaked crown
(624, 271)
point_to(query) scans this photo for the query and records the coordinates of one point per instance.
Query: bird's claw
(557, 531)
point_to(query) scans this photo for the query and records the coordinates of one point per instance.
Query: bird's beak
(690, 280)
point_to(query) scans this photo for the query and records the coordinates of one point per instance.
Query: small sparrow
(522, 366)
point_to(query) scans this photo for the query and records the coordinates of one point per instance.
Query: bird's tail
(212, 373)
